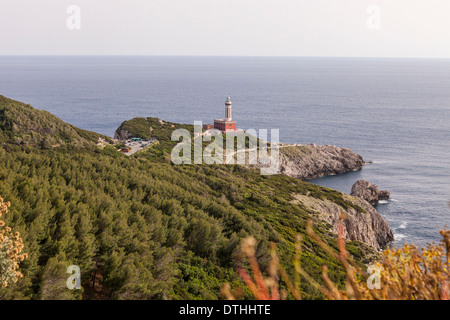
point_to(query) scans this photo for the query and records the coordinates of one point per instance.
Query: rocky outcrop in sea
(365, 190)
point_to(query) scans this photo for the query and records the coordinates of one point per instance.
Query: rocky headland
(312, 161)
(305, 162)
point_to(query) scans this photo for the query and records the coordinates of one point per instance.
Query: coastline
(303, 162)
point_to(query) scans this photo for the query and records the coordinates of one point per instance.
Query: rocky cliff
(367, 226)
(122, 134)
(311, 161)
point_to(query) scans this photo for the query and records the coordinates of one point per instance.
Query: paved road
(230, 157)
(136, 146)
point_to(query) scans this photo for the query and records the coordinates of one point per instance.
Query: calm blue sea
(394, 112)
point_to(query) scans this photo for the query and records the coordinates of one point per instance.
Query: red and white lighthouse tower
(228, 109)
(226, 124)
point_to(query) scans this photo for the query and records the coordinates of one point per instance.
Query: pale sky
(407, 28)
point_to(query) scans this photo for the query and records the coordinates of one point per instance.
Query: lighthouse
(226, 124)
(228, 109)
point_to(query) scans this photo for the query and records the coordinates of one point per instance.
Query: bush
(11, 246)
(404, 274)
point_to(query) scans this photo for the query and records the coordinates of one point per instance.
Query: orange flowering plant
(407, 273)
(11, 246)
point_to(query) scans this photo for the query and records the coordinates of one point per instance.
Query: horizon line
(222, 56)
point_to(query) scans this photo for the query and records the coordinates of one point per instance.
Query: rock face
(365, 190)
(122, 134)
(363, 222)
(311, 161)
(368, 227)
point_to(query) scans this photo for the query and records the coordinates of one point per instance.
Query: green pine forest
(140, 227)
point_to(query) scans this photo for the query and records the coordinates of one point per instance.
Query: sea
(394, 112)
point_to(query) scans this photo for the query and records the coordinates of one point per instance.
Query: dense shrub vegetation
(140, 227)
(21, 124)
